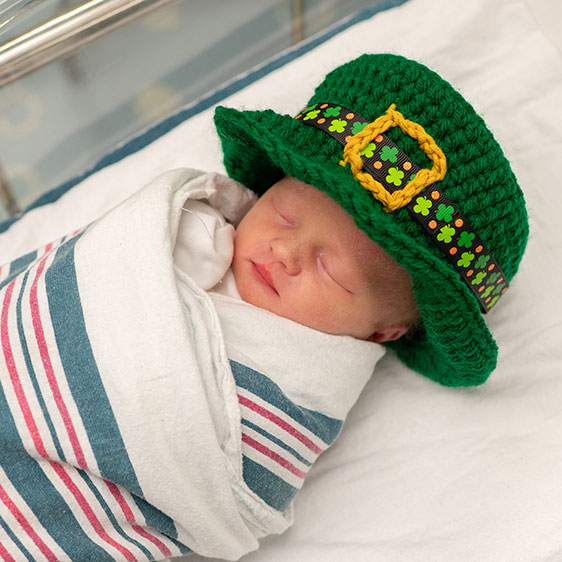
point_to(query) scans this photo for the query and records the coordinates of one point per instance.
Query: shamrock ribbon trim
(389, 168)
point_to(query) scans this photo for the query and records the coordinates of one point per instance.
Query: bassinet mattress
(421, 472)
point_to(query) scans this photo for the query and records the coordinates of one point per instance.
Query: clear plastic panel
(58, 121)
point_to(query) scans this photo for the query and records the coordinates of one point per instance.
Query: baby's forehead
(308, 198)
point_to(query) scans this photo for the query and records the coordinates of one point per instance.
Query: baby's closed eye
(284, 220)
(327, 270)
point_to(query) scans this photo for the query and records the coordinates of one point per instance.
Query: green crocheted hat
(453, 344)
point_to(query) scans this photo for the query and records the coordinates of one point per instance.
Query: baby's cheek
(244, 283)
(319, 313)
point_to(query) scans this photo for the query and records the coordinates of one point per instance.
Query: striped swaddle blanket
(280, 439)
(67, 487)
(128, 431)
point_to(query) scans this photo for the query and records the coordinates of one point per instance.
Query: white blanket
(121, 411)
(110, 328)
(422, 472)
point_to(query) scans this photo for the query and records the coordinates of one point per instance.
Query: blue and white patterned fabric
(280, 439)
(127, 431)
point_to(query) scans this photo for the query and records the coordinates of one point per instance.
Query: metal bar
(7, 195)
(298, 25)
(67, 33)
(14, 10)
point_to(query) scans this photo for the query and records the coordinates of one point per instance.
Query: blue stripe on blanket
(50, 499)
(272, 490)
(324, 427)
(18, 266)
(280, 439)
(86, 385)
(158, 520)
(81, 370)
(31, 370)
(22, 263)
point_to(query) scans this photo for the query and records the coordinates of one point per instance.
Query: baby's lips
(265, 274)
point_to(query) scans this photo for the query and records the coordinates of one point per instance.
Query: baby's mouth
(263, 275)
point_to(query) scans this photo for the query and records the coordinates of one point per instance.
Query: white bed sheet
(421, 472)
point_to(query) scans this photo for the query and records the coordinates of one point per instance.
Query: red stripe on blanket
(273, 456)
(14, 376)
(26, 526)
(281, 423)
(50, 372)
(6, 556)
(34, 432)
(129, 516)
(89, 512)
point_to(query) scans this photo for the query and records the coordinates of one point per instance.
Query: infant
(299, 254)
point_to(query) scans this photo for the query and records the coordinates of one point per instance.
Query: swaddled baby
(296, 278)
(298, 254)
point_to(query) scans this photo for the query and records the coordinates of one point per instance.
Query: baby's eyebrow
(281, 203)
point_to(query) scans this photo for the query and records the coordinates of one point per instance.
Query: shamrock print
(311, 115)
(332, 111)
(466, 259)
(482, 262)
(395, 176)
(465, 239)
(389, 154)
(487, 292)
(446, 234)
(337, 125)
(432, 208)
(444, 212)
(423, 205)
(479, 278)
(368, 151)
(498, 288)
(357, 127)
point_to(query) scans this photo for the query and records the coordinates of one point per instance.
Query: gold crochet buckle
(399, 198)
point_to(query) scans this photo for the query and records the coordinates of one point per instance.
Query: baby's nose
(289, 253)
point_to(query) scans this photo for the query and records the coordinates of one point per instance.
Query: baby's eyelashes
(324, 270)
(283, 220)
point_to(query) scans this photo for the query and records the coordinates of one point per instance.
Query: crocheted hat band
(380, 166)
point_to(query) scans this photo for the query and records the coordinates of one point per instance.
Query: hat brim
(455, 349)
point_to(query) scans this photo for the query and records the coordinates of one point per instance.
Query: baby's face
(298, 254)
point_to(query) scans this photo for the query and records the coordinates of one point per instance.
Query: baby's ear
(389, 333)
